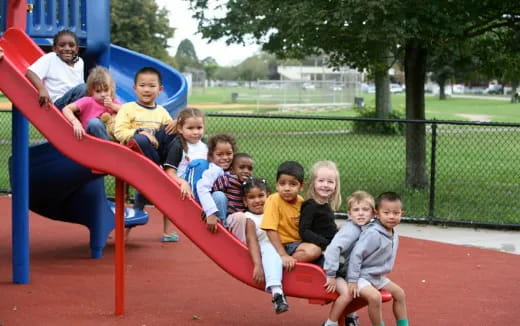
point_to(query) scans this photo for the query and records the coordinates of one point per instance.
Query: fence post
(431, 210)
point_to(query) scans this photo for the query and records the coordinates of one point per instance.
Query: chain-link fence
(469, 171)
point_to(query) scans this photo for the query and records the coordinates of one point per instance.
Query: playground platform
(176, 284)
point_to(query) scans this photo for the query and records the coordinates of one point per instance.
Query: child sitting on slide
(89, 109)
(267, 264)
(58, 75)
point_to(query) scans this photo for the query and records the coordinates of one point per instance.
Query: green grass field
(476, 174)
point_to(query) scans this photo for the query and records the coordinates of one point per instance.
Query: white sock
(276, 289)
(330, 323)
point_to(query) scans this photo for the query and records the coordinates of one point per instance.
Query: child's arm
(308, 212)
(43, 95)
(366, 245)
(288, 261)
(343, 240)
(185, 187)
(204, 186)
(68, 112)
(123, 129)
(254, 251)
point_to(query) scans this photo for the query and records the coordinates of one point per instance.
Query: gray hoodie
(373, 255)
(341, 244)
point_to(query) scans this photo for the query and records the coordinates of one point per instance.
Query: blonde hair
(358, 196)
(335, 200)
(184, 115)
(99, 78)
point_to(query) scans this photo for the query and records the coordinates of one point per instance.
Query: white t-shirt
(260, 234)
(195, 152)
(57, 76)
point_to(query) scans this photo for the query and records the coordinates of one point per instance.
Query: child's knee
(373, 297)
(398, 294)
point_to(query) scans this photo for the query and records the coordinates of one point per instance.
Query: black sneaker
(352, 320)
(280, 304)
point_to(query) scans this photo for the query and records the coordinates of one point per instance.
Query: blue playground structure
(59, 188)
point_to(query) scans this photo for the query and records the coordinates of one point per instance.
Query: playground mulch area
(176, 284)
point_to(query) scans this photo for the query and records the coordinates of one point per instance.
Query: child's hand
(258, 274)
(79, 132)
(44, 99)
(353, 289)
(288, 262)
(151, 138)
(212, 223)
(107, 101)
(171, 127)
(330, 284)
(185, 189)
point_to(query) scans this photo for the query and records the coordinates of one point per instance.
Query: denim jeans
(97, 128)
(221, 201)
(72, 95)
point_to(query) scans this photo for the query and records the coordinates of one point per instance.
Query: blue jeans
(72, 95)
(97, 128)
(221, 201)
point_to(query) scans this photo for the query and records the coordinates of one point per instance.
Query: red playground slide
(305, 281)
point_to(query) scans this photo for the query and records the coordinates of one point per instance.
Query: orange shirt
(283, 217)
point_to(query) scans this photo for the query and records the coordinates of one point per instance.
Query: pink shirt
(89, 108)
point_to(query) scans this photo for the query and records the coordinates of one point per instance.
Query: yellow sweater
(132, 116)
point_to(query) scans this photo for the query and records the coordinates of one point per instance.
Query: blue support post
(20, 202)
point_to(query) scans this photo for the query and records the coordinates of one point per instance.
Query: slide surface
(305, 281)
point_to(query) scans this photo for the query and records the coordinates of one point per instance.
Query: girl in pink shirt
(93, 114)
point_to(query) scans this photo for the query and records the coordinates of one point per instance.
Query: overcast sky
(186, 27)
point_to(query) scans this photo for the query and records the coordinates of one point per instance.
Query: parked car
(494, 89)
(308, 86)
(396, 88)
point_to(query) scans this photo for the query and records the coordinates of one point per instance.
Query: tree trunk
(383, 104)
(442, 84)
(514, 86)
(415, 73)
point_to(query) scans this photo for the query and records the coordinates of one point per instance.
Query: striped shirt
(231, 186)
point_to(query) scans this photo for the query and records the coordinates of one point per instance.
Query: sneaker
(280, 304)
(352, 320)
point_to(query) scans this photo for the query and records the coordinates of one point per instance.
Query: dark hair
(64, 32)
(388, 196)
(221, 138)
(241, 155)
(253, 182)
(291, 168)
(148, 70)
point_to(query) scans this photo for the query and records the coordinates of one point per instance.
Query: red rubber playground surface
(175, 284)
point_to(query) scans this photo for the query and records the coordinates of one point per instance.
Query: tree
(210, 66)
(361, 34)
(252, 69)
(141, 26)
(186, 56)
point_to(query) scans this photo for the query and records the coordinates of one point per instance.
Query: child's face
(147, 88)
(389, 213)
(66, 48)
(242, 168)
(325, 183)
(192, 130)
(361, 212)
(99, 94)
(255, 200)
(222, 155)
(288, 187)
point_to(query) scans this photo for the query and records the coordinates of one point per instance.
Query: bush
(378, 127)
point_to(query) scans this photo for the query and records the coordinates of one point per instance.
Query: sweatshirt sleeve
(368, 243)
(123, 130)
(204, 186)
(343, 240)
(308, 211)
